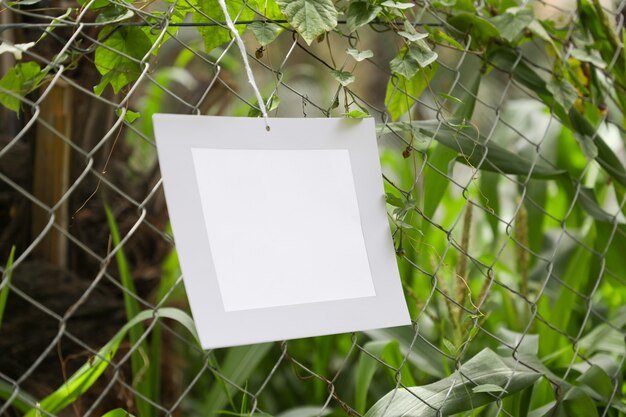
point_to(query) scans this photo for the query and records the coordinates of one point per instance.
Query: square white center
(283, 226)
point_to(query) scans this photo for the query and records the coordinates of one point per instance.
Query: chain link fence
(499, 247)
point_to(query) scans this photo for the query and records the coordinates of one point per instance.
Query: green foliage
(360, 13)
(92, 370)
(560, 252)
(265, 32)
(209, 11)
(343, 77)
(117, 59)
(402, 92)
(141, 369)
(311, 18)
(19, 80)
(6, 281)
(456, 393)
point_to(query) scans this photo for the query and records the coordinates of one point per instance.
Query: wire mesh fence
(503, 166)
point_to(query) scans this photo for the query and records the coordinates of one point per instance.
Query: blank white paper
(283, 226)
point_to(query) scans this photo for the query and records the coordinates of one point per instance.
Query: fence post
(52, 171)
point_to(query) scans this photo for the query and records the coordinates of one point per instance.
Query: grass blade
(237, 367)
(6, 280)
(140, 368)
(89, 373)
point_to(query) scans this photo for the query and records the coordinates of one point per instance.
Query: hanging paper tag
(281, 234)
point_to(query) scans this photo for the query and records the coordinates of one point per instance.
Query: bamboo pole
(51, 173)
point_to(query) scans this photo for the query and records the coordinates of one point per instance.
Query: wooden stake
(51, 173)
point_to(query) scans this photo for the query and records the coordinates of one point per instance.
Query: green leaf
(590, 57)
(410, 59)
(117, 59)
(129, 115)
(360, 13)
(118, 412)
(6, 281)
(439, 163)
(215, 36)
(404, 64)
(98, 4)
(421, 53)
(139, 365)
(488, 388)
(22, 401)
(387, 351)
(271, 106)
(605, 155)
(240, 362)
(89, 373)
(345, 78)
(359, 55)
(576, 403)
(113, 14)
(439, 36)
(453, 394)
(19, 80)
(357, 114)
(397, 5)
(472, 147)
(402, 93)
(265, 32)
(269, 9)
(598, 380)
(411, 34)
(480, 29)
(394, 200)
(513, 22)
(452, 350)
(310, 18)
(564, 93)
(306, 411)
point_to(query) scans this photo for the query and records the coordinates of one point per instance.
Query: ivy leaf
(511, 23)
(409, 60)
(356, 114)
(269, 9)
(310, 18)
(404, 64)
(411, 34)
(271, 106)
(345, 78)
(215, 36)
(421, 52)
(265, 32)
(359, 55)
(360, 13)
(397, 5)
(129, 116)
(563, 92)
(20, 80)
(117, 58)
(402, 92)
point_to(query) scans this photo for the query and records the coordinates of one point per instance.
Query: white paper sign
(280, 234)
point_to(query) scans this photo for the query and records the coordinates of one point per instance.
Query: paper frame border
(174, 145)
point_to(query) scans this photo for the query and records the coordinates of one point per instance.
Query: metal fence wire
(509, 230)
